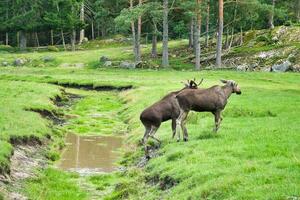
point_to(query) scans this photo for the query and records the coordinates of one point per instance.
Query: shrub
(6, 48)
(53, 48)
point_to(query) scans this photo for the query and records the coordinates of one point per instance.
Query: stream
(90, 154)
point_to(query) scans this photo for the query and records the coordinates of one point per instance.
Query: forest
(149, 99)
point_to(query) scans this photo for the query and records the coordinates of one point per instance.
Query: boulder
(79, 65)
(4, 63)
(283, 67)
(128, 65)
(85, 40)
(107, 64)
(48, 58)
(104, 59)
(295, 68)
(19, 62)
(242, 68)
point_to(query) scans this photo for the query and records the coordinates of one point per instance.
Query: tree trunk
(191, 38)
(138, 37)
(23, 40)
(220, 34)
(37, 39)
(197, 37)
(73, 40)
(63, 39)
(6, 34)
(51, 36)
(133, 35)
(195, 34)
(93, 33)
(165, 57)
(226, 39)
(232, 30)
(241, 37)
(207, 25)
(297, 9)
(81, 36)
(18, 39)
(154, 41)
(6, 38)
(271, 18)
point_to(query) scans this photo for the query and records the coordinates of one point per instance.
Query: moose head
(231, 83)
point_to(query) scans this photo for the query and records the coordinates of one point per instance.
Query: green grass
(255, 155)
(96, 113)
(52, 184)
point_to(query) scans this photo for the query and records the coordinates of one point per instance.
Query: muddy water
(90, 154)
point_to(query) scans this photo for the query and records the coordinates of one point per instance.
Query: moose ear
(223, 81)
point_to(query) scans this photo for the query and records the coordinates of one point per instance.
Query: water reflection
(90, 154)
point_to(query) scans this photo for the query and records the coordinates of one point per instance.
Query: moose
(213, 99)
(163, 110)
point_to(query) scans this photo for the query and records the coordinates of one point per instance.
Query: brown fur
(213, 99)
(161, 111)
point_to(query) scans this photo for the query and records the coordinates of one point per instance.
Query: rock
(19, 62)
(128, 65)
(85, 39)
(242, 68)
(283, 67)
(107, 64)
(65, 65)
(266, 69)
(4, 63)
(79, 65)
(104, 59)
(48, 58)
(295, 68)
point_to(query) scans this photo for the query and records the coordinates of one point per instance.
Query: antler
(200, 82)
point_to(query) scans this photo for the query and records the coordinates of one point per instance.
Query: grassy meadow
(255, 155)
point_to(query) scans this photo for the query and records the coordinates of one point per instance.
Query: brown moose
(213, 99)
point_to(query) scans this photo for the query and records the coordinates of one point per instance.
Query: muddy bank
(25, 159)
(93, 87)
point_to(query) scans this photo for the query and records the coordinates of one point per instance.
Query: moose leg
(146, 135)
(217, 120)
(152, 133)
(173, 128)
(184, 130)
(179, 122)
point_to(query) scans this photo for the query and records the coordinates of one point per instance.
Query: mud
(93, 87)
(24, 161)
(90, 154)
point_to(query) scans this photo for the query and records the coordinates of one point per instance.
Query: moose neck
(227, 91)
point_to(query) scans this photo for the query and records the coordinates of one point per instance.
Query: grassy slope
(254, 156)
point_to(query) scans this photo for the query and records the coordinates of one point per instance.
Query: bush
(288, 23)
(264, 38)
(6, 48)
(53, 48)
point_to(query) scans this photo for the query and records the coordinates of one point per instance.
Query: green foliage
(53, 48)
(6, 48)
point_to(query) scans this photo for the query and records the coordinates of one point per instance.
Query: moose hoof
(185, 139)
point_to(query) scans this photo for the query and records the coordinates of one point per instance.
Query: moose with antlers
(213, 99)
(163, 110)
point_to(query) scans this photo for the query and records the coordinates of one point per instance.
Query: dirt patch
(24, 161)
(93, 87)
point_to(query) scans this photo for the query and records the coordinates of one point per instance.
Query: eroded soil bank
(93, 143)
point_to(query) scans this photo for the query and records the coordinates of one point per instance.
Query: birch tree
(220, 34)
(165, 57)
